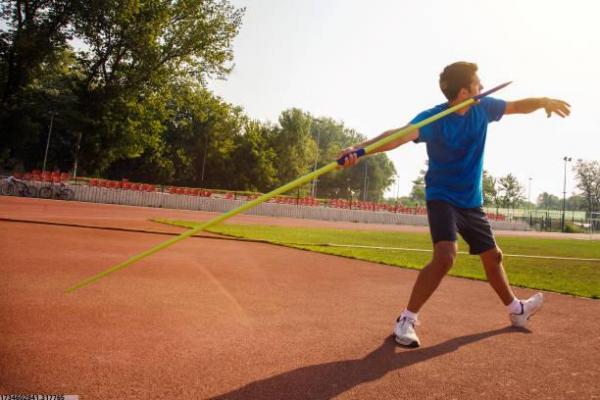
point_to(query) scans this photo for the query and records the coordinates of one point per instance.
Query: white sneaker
(404, 332)
(528, 308)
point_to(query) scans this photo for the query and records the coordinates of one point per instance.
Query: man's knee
(498, 255)
(444, 255)
(493, 256)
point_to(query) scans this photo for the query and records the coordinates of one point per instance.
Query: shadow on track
(325, 381)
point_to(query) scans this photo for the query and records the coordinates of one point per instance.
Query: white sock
(514, 307)
(409, 314)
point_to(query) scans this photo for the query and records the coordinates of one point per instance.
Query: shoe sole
(411, 344)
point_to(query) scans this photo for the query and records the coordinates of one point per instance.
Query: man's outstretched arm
(526, 106)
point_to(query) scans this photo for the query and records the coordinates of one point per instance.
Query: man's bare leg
(429, 278)
(494, 270)
(444, 254)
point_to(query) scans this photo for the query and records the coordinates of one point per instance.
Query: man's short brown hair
(455, 77)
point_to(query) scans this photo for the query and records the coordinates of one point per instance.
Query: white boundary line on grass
(460, 252)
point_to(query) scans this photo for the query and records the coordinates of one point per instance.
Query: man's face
(476, 87)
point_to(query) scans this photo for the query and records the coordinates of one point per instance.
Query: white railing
(95, 194)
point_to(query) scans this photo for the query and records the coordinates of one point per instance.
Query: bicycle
(57, 191)
(16, 187)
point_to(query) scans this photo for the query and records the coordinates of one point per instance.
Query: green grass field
(580, 278)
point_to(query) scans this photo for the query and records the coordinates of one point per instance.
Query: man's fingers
(350, 159)
(563, 104)
(565, 110)
(558, 107)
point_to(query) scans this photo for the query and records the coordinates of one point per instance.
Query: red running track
(221, 319)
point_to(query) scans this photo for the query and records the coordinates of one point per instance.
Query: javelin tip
(492, 90)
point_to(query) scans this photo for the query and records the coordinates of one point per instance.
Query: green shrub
(573, 228)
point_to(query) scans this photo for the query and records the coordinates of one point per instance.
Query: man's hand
(350, 157)
(558, 107)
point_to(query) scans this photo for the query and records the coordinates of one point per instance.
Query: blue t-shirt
(455, 145)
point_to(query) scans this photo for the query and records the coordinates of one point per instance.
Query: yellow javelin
(285, 188)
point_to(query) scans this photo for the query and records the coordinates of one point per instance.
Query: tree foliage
(548, 201)
(120, 86)
(417, 193)
(588, 182)
(510, 191)
(490, 191)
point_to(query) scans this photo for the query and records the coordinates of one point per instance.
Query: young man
(455, 146)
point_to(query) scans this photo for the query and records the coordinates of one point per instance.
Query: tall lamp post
(207, 133)
(204, 157)
(316, 180)
(562, 220)
(529, 193)
(366, 182)
(397, 192)
(48, 142)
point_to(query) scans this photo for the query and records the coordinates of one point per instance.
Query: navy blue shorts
(445, 220)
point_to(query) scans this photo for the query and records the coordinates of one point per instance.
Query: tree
(548, 201)
(588, 182)
(490, 193)
(293, 144)
(576, 203)
(510, 190)
(35, 32)
(417, 193)
(254, 159)
(332, 137)
(132, 44)
(132, 52)
(135, 49)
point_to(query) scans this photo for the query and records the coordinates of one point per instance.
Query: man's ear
(463, 93)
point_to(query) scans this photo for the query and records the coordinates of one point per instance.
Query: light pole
(315, 181)
(48, 142)
(366, 182)
(77, 147)
(207, 133)
(529, 194)
(204, 157)
(562, 220)
(397, 191)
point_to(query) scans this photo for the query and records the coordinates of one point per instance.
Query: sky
(374, 65)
